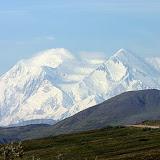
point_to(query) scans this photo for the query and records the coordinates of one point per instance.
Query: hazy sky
(30, 26)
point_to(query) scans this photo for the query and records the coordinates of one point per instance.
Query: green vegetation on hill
(13, 134)
(152, 123)
(107, 143)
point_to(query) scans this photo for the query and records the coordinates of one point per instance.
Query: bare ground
(142, 126)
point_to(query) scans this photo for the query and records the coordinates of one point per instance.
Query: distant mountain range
(56, 84)
(127, 108)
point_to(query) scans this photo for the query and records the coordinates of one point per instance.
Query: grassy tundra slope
(109, 143)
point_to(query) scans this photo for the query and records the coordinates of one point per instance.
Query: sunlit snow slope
(56, 84)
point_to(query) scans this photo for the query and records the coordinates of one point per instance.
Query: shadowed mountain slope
(126, 108)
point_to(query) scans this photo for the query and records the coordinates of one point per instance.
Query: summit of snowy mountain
(56, 84)
(128, 58)
(51, 58)
(123, 53)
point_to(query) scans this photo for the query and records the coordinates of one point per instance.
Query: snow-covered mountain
(55, 84)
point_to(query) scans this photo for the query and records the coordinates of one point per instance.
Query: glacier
(56, 84)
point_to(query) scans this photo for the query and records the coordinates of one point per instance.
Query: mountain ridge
(55, 84)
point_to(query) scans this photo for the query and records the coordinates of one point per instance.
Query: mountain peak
(55, 51)
(51, 57)
(123, 52)
(127, 57)
(55, 84)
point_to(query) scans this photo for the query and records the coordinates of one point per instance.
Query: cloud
(84, 5)
(30, 41)
(48, 37)
(121, 5)
(105, 6)
(92, 55)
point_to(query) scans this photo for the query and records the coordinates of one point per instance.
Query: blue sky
(30, 26)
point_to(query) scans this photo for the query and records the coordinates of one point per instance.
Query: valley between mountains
(56, 84)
